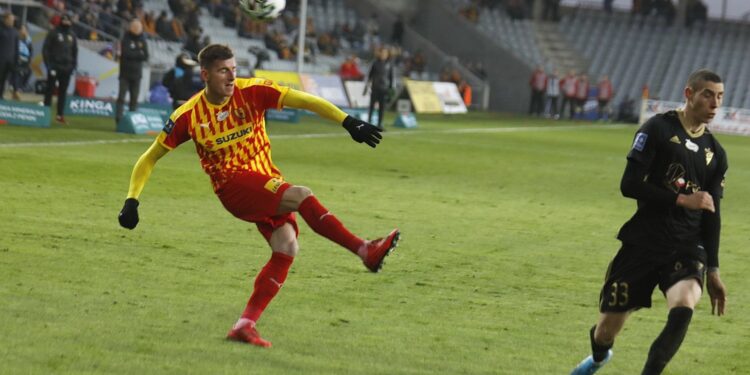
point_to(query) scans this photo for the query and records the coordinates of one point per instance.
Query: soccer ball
(263, 10)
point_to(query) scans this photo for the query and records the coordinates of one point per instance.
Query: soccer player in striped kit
(226, 123)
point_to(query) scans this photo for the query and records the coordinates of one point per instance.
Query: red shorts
(255, 197)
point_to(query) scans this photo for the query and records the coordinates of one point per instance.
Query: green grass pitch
(507, 228)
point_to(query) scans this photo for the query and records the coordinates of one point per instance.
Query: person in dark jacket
(8, 49)
(179, 80)
(60, 54)
(133, 53)
(380, 80)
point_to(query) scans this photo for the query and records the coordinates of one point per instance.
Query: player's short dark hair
(699, 76)
(214, 52)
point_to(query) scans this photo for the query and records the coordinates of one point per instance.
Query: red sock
(267, 284)
(327, 225)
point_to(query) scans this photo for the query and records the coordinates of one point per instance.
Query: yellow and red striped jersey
(230, 137)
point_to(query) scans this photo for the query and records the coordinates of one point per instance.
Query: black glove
(129, 214)
(362, 131)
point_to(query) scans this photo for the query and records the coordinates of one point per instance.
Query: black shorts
(634, 273)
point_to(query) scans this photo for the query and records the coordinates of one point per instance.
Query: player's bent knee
(297, 194)
(287, 246)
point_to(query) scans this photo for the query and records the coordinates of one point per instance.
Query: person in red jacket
(606, 93)
(568, 88)
(582, 93)
(538, 83)
(349, 70)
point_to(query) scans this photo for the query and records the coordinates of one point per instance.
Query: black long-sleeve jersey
(666, 160)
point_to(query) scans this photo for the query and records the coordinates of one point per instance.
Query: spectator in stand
(418, 62)
(177, 7)
(163, 27)
(380, 81)
(553, 94)
(551, 10)
(79, 28)
(608, 6)
(515, 9)
(8, 49)
(59, 7)
(133, 53)
(349, 70)
(696, 12)
(179, 80)
(397, 35)
(327, 44)
(372, 32)
(582, 94)
(191, 19)
(231, 15)
(470, 12)
(666, 9)
(252, 29)
(149, 24)
(60, 55)
(23, 66)
(194, 43)
(178, 30)
(107, 20)
(605, 95)
(126, 8)
(568, 87)
(538, 83)
(465, 90)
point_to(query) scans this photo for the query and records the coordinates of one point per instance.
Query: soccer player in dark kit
(226, 122)
(675, 170)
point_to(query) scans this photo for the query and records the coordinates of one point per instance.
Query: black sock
(665, 346)
(599, 352)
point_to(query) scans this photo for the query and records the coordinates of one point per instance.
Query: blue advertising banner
(144, 121)
(163, 110)
(285, 115)
(24, 114)
(77, 106)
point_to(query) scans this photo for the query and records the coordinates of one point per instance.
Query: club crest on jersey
(691, 146)
(274, 184)
(168, 126)
(240, 113)
(709, 156)
(221, 116)
(640, 141)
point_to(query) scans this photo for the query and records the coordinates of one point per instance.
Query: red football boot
(378, 249)
(247, 333)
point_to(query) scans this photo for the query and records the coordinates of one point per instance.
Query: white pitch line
(74, 143)
(331, 135)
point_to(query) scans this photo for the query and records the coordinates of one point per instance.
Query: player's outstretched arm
(128, 216)
(361, 132)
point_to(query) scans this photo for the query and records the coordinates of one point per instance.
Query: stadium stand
(515, 35)
(638, 52)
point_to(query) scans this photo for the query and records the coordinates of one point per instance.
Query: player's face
(220, 77)
(705, 100)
